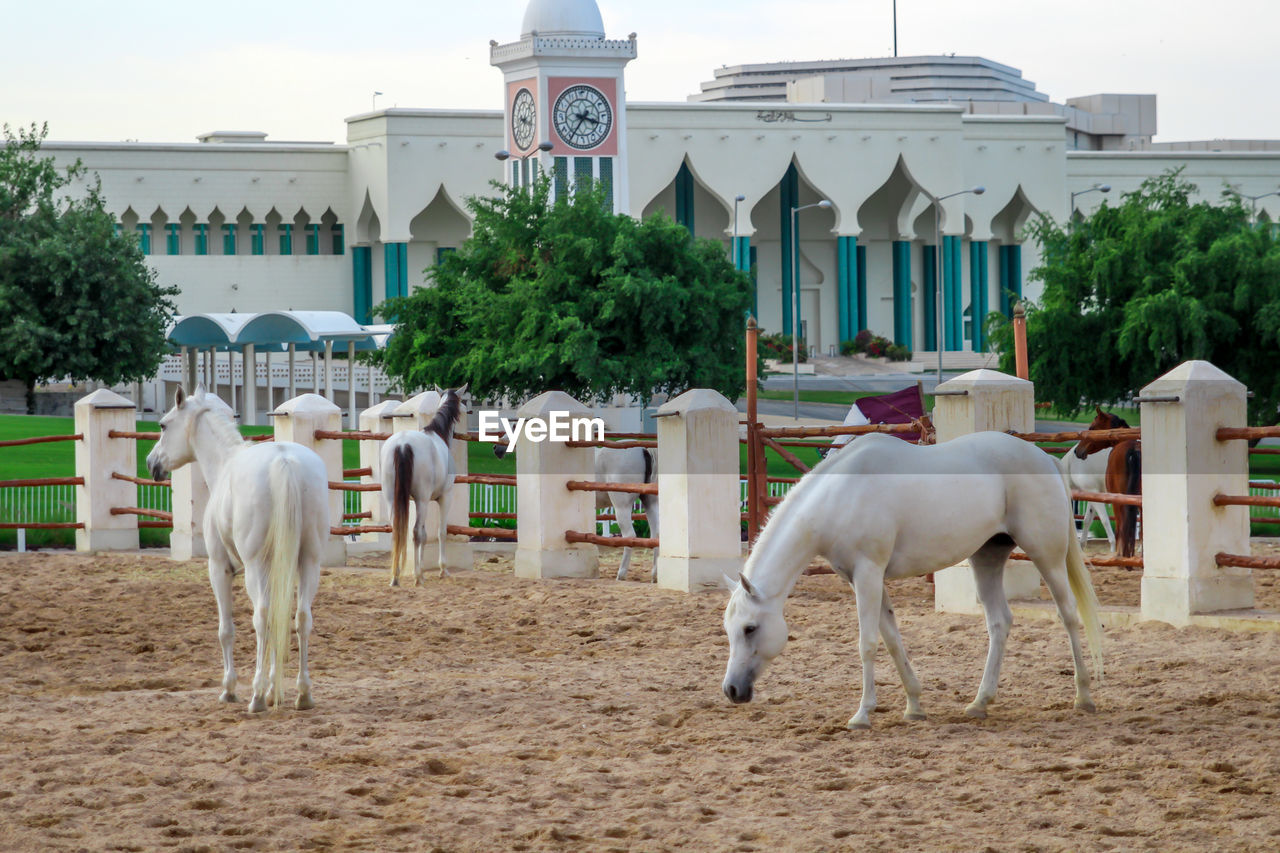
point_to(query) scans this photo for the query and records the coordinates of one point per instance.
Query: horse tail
(284, 541)
(1086, 601)
(402, 469)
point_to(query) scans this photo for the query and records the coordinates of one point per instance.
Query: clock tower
(564, 86)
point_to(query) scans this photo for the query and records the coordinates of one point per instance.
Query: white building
(240, 222)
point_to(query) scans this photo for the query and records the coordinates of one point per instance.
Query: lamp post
(504, 154)
(1100, 188)
(940, 277)
(733, 253)
(795, 299)
(1253, 204)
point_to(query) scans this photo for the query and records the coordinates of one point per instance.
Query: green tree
(1136, 289)
(572, 297)
(77, 300)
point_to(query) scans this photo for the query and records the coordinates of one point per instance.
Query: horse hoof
(303, 703)
(1087, 706)
(913, 717)
(621, 576)
(395, 583)
(227, 696)
(257, 705)
(856, 724)
(976, 711)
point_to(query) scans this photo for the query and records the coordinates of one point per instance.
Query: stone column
(297, 420)
(377, 419)
(547, 508)
(97, 457)
(700, 502)
(1183, 467)
(973, 402)
(250, 357)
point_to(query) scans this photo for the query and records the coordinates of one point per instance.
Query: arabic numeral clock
(523, 119)
(582, 117)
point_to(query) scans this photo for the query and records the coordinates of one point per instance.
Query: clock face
(523, 119)
(582, 117)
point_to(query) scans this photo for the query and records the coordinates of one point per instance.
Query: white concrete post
(700, 523)
(297, 420)
(546, 508)
(190, 497)
(377, 419)
(97, 457)
(1183, 467)
(351, 383)
(974, 402)
(250, 357)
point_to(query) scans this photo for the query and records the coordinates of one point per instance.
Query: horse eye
(749, 630)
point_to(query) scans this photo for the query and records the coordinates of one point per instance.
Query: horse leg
(868, 587)
(893, 642)
(255, 583)
(988, 575)
(1086, 523)
(650, 504)
(1055, 578)
(308, 582)
(1105, 518)
(419, 538)
(623, 505)
(443, 532)
(220, 576)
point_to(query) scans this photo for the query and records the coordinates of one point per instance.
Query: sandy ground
(481, 712)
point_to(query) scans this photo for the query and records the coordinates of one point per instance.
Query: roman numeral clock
(582, 117)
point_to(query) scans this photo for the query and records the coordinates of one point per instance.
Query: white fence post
(376, 419)
(974, 402)
(1183, 467)
(297, 420)
(547, 508)
(700, 524)
(97, 457)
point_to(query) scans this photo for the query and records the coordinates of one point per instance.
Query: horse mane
(446, 415)
(224, 428)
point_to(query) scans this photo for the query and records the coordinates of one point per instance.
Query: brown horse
(1123, 475)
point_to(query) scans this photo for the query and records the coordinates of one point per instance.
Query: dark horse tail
(448, 413)
(1127, 534)
(402, 466)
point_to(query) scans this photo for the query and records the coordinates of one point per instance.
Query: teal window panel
(144, 238)
(582, 172)
(606, 180)
(561, 167)
(444, 252)
(515, 173)
(313, 239)
(202, 239)
(258, 239)
(286, 239)
(228, 239)
(173, 239)
(339, 240)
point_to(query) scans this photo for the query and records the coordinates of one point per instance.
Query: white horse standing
(417, 466)
(886, 509)
(268, 513)
(621, 465)
(1089, 474)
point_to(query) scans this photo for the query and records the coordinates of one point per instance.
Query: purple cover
(900, 407)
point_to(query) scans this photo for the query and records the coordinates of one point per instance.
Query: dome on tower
(579, 18)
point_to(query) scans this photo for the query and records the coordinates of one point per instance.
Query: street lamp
(734, 249)
(795, 299)
(504, 154)
(1101, 188)
(1253, 204)
(940, 278)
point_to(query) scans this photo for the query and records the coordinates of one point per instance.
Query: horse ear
(728, 583)
(1098, 409)
(179, 397)
(463, 389)
(746, 586)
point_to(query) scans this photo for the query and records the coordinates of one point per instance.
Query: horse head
(757, 634)
(176, 446)
(1101, 420)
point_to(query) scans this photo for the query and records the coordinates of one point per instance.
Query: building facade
(906, 248)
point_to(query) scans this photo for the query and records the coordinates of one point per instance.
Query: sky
(166, 71)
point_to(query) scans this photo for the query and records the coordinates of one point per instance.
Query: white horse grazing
(621, 465)
(885, 509)
(417, 466)
(1089, 474)
(268, 514)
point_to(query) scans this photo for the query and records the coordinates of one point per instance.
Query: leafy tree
(1136, 289)
(77, 300)
(570, 296)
